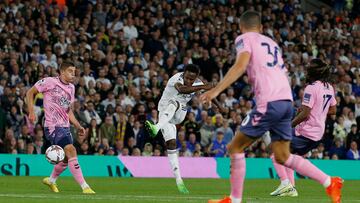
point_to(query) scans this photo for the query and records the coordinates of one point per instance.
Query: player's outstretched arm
(30, 94)
(303, 115)
(183, 89)
(231, 76)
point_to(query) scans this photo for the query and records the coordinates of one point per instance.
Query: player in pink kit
(318, 102)
(261, 58)
(58, 97)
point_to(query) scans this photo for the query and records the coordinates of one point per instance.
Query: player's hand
(81, 131)
(32, 117)
(209, 95)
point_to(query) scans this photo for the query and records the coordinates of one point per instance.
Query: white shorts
(179, 115)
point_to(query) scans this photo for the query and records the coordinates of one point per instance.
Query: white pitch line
(94, 197)
(150, 198)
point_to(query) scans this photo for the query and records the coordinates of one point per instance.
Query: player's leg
(66, 141)
(286, 188)
(58, 168)
(299, 145)
(238, 164)
(165, 115)
(281, 150)
(169, 132)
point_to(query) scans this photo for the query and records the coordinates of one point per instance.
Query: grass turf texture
(136, 190)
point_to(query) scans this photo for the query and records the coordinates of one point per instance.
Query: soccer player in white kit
(180, 89)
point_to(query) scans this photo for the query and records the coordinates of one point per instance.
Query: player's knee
(70, 150)
(171, 144)
(233, 148)
(281, 158)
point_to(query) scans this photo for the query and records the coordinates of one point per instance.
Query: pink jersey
(266, 69)
(57, 100)
(319, 97)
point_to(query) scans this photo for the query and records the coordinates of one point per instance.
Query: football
(55, 154)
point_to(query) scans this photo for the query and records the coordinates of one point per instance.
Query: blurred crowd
(126, 50)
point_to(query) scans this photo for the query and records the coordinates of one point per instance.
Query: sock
(237, 176)
(327, 182)
(76, 172)
(174, 163)
(58, 169)
(280, 170)
(305, 168)
(166, 116)
(290, 175)
(235, 200)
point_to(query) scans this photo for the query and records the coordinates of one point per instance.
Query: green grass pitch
(136, 190)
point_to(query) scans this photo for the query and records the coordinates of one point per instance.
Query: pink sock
(290, 175)
(58, 169)
(76, 170)
(280, 169)
(305, 168)
(237, 174)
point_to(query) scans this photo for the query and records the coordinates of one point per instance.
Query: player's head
(250, 21)
(67, 72)
(318, 70)
(191, 72)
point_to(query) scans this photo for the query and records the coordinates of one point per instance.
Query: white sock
(327, 182)
(285, 182)
(235, 200)
(166, 116)
(52, 180)
(174, 163)
(84, 185)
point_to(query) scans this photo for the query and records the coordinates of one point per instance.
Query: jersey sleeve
(309, 96)
(242, 44)
(44, 84)
(173, 80)
(198, 82)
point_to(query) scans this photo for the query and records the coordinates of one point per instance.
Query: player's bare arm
(75, 122)
(231, 76)
(332, 110)
(30, 94)
(184, 89)
(302, 116)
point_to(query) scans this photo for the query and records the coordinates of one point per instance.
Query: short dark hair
(250, 19)
(192, 68)
(66, 65)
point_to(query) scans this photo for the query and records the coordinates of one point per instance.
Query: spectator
(338, 149)
(207, 131)
(228, 132)
(354, 135)
(353, 152)
(218, 147)
(339, 130)
(148, 150)
(190, 145)
(90, 113)
(136, 152)
(107, 130)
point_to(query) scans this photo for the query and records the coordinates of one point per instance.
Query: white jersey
(171, 93)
